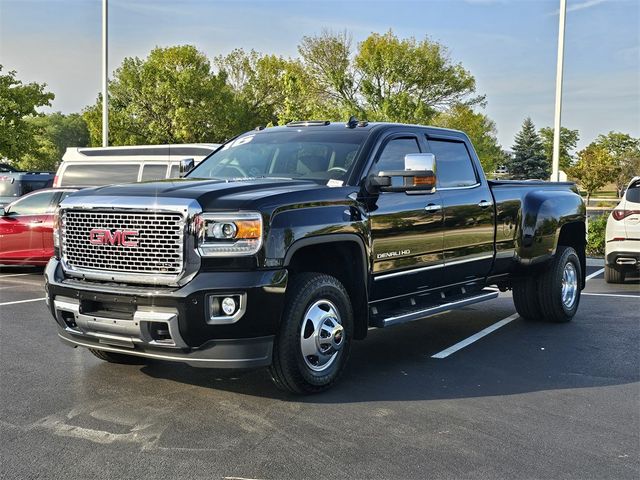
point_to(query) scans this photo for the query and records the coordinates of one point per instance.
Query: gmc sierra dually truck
(288, 243)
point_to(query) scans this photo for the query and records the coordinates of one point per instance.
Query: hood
(219, 194)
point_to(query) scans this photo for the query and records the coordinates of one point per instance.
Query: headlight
(230, 234)
(56, 229)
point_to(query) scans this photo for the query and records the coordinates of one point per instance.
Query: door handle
(484, 204)
(432, 207)
(34, 222)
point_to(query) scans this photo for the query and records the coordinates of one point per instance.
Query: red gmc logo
(100, 236)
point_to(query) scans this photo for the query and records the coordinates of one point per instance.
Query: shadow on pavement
(396, 364)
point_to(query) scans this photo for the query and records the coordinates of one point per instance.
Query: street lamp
(555, 172)
(105, 77)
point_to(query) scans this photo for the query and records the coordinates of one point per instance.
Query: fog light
(228, 306)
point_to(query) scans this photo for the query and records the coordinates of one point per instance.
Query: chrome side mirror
(419, 175)
(186, 165)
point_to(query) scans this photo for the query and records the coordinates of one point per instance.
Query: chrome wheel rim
(569, 285)
(321, 336)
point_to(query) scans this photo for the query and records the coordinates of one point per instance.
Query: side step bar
(420, 314)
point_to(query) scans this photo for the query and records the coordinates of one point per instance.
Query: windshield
(299, 153)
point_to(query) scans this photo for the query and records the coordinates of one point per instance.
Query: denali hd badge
(399, 253)
(99, 236)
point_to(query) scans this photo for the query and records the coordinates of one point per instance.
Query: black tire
(550, 286)
(113, 357)
(613, 274)
(526, 299)
(290, 370)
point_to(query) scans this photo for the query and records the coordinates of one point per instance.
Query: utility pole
(105, 76)
(555, 172)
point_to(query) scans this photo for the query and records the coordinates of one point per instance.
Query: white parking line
(468, 341)
(611, 295)
(492, 328)
(23, 301)
(14, 275)
(594, 274)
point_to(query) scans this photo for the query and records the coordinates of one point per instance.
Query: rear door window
(152, 172)
(633, 193)
(96, 175)
(454, 167)
(36, 204)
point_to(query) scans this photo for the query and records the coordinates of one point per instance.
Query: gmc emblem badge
(100, 236)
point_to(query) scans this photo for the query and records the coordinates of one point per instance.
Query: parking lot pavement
(528, 400)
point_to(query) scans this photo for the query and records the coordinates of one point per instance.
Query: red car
(26, 227)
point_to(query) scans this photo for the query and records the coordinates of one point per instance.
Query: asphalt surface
(529, 400)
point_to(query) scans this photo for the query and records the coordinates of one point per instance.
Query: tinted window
(153, 172)
(9, 187)
(309, 152)
(392, 156)
(37, 204)
(99, 174)
(633, 193)
(453, 164)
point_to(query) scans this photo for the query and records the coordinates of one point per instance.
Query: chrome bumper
(121, 332)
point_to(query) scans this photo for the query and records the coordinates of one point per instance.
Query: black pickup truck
(287, 243)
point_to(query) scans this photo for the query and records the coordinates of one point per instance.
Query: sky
(509, 46)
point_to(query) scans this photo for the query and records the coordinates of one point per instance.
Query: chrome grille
(159, 249)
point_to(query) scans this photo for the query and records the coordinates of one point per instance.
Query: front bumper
(170, 324)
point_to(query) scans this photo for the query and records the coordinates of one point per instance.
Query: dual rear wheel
(554, 293)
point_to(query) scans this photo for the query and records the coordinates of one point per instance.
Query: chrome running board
(443, 307)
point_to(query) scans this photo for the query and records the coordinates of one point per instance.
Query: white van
(94, 167)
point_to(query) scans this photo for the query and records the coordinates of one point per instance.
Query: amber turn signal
(427, 181)
(248, 228)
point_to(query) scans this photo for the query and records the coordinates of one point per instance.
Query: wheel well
(343, 260)
(574, 235)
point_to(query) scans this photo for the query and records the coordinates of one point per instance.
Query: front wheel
(559, 286)
(313, 345)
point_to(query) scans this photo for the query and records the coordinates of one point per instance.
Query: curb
(595, 262)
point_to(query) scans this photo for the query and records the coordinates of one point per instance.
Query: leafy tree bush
(54, 133)
(172, 96)
(568, 141)
(596, 235)
(19, 103)
(594, 169)
(624, 151)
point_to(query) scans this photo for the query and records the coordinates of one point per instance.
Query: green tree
(625, 153)
(480, 129)
(529, 159)
(410, 81)
(334, 79)
(594, 169)
(267, 89)
(568, 141)
(172, 96)
(55, 132)
(19, 103)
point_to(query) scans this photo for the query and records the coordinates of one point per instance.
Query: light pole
(555, 173)
(105, 76)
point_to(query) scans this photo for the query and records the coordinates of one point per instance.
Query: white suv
(622, 239)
